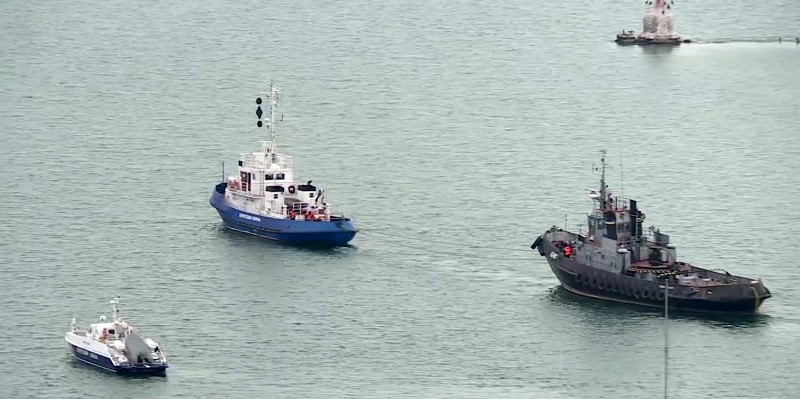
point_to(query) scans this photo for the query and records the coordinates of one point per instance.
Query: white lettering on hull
(248, 217)
(84, 352)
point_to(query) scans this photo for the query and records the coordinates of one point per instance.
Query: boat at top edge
(265, 200)
(616, 260)
(657, 27)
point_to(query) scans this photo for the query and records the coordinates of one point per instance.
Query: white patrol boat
(116, 346)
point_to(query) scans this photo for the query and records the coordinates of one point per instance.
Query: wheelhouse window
(280, 176)
(269, 177)
(274, 189)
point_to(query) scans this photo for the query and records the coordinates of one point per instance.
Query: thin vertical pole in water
(223, 171)
(666, 332)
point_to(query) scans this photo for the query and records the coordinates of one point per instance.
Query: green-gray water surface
(464, 122)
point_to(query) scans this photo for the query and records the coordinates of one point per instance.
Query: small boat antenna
(115, 307)
(603, 194)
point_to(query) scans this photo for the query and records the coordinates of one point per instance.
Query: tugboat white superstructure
(116, 346)
(265, 200)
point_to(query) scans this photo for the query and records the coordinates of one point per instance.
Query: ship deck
(685, 274)
(645, 264)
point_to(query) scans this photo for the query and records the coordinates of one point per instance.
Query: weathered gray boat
(619, 261)
(626, 38)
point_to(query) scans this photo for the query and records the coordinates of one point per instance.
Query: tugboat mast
(273, 103)
(269, 116)
(603, 196)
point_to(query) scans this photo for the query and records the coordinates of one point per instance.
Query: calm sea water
(432, 123)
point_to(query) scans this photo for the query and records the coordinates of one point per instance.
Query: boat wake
(772, 39)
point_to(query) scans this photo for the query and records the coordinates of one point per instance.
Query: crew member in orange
(568, 251)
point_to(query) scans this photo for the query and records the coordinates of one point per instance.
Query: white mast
(115, 307)
(269, 117)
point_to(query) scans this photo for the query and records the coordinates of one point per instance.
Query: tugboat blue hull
(333, 233)
(598, 284)
(105, 363)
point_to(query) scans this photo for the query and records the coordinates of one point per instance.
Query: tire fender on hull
(537, 245)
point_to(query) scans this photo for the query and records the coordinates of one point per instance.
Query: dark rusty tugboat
(618, 261)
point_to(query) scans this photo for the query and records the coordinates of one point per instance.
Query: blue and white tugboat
(265, 200)
(116, 346)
